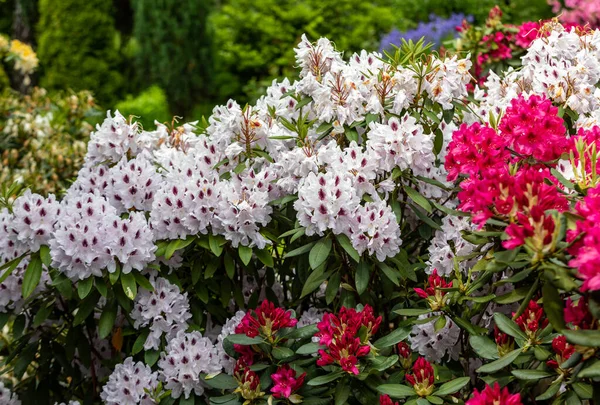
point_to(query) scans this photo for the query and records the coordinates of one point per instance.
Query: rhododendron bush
(372, 233)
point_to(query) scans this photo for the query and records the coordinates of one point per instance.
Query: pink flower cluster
(340, 334)
(532, 128)
(586, 241)
(494, 396)
(577, 12)
(505, 175)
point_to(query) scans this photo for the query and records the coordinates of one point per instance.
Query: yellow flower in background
(26, 60)
(4, 43)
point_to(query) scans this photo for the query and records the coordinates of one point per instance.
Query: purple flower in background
(435, 30)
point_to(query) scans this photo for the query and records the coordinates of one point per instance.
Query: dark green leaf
(396, 390)
(129, 285)
(241, 339)
(324, 379)
(500, 363)
(452, 386)
(32, 276)
(531, 375)
(346, 244)
(553, 306)
(84, 287)
(319, 253)
(107, 319)
(393, 338)
(362, 277)
(245, 253)
(484, 347)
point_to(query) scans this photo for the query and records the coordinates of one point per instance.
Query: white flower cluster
(130, 383)
(166, 310)
(138, 187)
(185, 358)
(7, 397)
(564, 65)
(447, 243)
(228, 328)
(434, 343)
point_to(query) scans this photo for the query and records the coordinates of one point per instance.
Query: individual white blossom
(34, 218)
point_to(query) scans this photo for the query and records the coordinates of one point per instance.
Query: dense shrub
(174, 50)
(149, 105)
(77, 47)
(43, 138)
(371, 232)
(250, 35)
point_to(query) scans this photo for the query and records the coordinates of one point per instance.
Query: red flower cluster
(532, 319)
(504, 342)
(265, 321)
(563, 351)
(248, 381)
(494, 396)
(386, 400)
(586, 250)
(433, 293)
(422, 378)
(578, 315)
(506, 195)
(340, 335)
(532, 128)
(286, 382)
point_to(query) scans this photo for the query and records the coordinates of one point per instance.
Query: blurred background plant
(43, 138)
(202, 52)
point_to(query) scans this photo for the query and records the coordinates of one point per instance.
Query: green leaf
(86, 307)
(412, 311)
(308, 348)
(138, 345)
(452, 386)
(418, 199)
(484, 347)
(500, 363)
(346, 244)
(303, 332)
(396, 390)
(107, 319)
(245, 253)
(553, 306)
(129, 285)
(221, 381)
(583, 391)
(241, 339)
(151, 357)
(314, 280)
(362, 277)
(531, 375)
(589, 338)
(176, 245)
(229, 266)
(591, 371)
(324, 379)
(319, 253)
(333, 286)
(84, 287)
(142, 281)
(393, 338)
(550, 391)
(32, 276)
(45, 256)
(381, 363)
(508, 326)
(10, 267)
(265, 256)
(281, 353)
(342, 393)
(299, 251)
(215, 244)
(391, 274)
(42, 314)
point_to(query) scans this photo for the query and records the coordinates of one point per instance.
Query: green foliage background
(77, 48)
